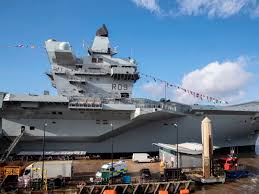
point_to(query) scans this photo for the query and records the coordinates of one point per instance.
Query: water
(240, 186)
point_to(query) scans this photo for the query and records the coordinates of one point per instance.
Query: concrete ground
(84, 169)
(88, 168)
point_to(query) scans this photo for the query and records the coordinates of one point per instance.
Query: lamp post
(177, 151)
(112, 153)
(43, 155)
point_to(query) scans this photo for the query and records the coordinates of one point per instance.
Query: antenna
(165, 90)
(84, 44)
(115, 48)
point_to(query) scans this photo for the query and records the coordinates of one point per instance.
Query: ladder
(11, 147)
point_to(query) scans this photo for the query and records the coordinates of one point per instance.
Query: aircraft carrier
(95, 107)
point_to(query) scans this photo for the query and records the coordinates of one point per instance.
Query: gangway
(8, 151)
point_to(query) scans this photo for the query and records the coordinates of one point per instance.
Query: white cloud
(255, 12)
(211, 8)
(226, 80)
(151, 5)
(154, 89)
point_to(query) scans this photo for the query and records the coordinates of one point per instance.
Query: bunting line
(31, 46)
(188, 91)
(167, 84)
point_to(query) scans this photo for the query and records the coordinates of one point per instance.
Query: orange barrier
(184, 191)
(109, 192)
(163, 192)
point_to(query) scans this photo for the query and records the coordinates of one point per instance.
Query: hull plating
(94, 136)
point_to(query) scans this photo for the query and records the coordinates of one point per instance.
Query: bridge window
(94, 60)
(81, 91)
(100, 60)
(124, 95)
(32, 128)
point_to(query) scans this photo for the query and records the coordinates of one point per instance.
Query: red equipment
(230, 163)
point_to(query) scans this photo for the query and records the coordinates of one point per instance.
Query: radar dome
(133, 61)
(64, 46)
(51, 40)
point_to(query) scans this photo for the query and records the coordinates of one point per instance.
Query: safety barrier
(151, 187)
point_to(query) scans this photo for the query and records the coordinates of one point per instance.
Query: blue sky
(168, 40)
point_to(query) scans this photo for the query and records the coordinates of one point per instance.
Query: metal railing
(138, 102)
(134, 188)
(84, 103)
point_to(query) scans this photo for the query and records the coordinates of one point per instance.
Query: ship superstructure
(98, 75)
(95, 106)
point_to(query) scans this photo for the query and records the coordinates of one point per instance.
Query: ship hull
(94, 133)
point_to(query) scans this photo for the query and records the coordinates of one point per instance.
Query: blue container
(126, 179)
(235, 174)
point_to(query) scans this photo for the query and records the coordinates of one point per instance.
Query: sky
(207, 46)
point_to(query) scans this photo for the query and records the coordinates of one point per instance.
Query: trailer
(53, 170)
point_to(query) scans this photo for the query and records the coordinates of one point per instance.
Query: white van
(142, 157)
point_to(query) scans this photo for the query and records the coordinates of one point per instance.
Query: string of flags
(32, 46)
(188, 91)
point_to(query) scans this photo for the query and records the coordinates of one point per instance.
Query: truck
(54, 170)
(11, 170)
(9, 177)
(108, 170)
(142, 157)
